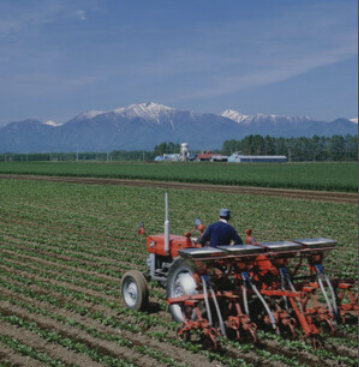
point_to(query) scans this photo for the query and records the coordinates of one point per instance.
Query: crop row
(54, 337)
(41, 283)
(115, 323)
(281, 221)
(100, 253)
(78, 294)
(47, 237)
(29, 270)
(28, 351)
(143, 320)
(293, 345)
(311, 176)
(64, 248)
(110, 288)
(268, 216)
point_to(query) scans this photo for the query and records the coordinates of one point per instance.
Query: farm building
(168, 158)
(160, 158)
(239, 158)
(209, 156)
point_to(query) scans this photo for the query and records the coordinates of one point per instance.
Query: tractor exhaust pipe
(167, 226)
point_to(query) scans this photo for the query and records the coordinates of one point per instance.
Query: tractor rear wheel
(179, 283)
(134, 290)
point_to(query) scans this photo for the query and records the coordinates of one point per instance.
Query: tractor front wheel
(134, 290)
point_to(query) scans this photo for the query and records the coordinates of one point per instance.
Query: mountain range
(142, 126)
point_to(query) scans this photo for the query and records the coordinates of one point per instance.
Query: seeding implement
(230, 291)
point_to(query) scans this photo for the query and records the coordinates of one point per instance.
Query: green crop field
(64, 248)
(307, 176)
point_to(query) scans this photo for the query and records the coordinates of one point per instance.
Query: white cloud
(80, 14)
(218, 59)
(15, 17)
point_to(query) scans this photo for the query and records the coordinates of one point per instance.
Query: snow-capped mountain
(236, 116)
(260, 118)
(354, 120)
(147, 111)
(51, 123)
(144, 125)
(88, 115)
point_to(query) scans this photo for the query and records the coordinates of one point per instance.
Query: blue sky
(59, 58)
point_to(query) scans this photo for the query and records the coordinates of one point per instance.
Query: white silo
(184, 150)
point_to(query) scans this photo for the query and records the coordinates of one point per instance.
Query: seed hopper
(231, 291)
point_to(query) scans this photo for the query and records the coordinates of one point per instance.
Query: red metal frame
(239, 279)
(290, 306)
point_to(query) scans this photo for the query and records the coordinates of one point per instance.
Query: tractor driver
(220, 233)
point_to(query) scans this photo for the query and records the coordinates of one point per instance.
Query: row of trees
(116, 155)
(317, 148)
(167, 148)
(320, 149)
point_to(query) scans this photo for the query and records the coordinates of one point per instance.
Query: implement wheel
(179, 283)
(134, 290)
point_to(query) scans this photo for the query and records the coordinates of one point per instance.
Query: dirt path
(340, 197)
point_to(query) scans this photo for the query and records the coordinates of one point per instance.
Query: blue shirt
(220, 234)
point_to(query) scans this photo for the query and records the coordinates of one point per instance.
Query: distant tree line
(320, 149)
(317, 148)
(166, 148)
(116, 155)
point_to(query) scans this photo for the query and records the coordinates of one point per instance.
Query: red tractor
(164, 266)
(231, 290)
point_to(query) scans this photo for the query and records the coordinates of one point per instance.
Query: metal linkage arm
(222, 325)
(333, 308)
(246, 278)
